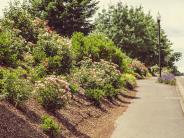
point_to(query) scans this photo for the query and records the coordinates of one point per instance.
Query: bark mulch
(79, 119)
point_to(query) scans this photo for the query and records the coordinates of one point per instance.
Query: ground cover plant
(50, 126)
(167, 79)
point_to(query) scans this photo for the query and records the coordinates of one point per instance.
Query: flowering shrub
(97, 46)
(167, 79)
(98, 79)
(140, 69)
(50, 127)
(54, 52)
(52, 93)
(128, 81)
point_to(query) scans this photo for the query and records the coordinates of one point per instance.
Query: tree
(65, 16)
(134, 32)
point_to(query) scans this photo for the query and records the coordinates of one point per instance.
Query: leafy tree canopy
(136, 33)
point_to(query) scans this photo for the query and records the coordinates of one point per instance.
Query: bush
(52, 93)
(11, 48)
(54, 52)
(38, 73)
(18, 18)
(15, 88)
(140, 69)
(98, 79)
(167, 79)
(128, 81)
(73, 88)
(154, 70)
(50, 127)
(97, 46)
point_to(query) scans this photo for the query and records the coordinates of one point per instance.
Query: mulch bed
(80, 118)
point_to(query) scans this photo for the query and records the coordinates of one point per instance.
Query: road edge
(180, 91)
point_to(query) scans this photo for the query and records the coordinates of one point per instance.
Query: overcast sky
(172, 12)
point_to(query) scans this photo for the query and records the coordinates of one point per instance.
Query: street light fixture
(158, 21)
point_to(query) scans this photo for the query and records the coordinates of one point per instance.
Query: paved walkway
(156, 114)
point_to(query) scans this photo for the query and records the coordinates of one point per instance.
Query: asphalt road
(156, 113)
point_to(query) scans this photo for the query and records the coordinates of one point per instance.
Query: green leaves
(98, 79)
(66, 17)
(50, 126)
(15, 88)
(135, 32)
(98, 46)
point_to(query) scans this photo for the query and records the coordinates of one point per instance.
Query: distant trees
(65, 16)
(135, 33)
(131, 29)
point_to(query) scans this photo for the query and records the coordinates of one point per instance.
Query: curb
(180, 91)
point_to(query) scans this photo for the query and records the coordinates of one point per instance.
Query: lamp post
(158, 21)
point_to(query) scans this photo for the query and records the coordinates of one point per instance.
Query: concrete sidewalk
(156, 114)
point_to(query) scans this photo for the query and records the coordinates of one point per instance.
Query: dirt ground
(79, 119)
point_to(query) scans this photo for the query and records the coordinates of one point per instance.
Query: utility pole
(158, 21)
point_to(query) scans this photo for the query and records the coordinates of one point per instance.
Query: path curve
(155, 114)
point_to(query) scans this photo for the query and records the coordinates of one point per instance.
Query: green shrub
(54, 51)
(38, 73)
(18, 18)
(39, 54)
(52, 93)
(50, 127)
(97, 46)
(98, 79)
(50, 97)
(73, 88)
(96, 94)
(11, 48)
(15, 88)
(128, 81)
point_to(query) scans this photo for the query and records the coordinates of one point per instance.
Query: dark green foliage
(50, 127)
(64, 16)
(49, 97)
(135, 32)
(97, 46)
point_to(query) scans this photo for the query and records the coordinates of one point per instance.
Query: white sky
(172, 12)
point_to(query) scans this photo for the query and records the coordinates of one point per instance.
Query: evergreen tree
(66, 16)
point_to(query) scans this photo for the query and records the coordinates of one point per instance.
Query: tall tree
(134, 32)
(66, 16)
